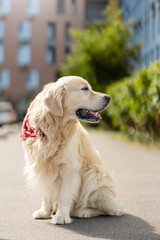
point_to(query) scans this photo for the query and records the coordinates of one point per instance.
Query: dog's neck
(50, 124)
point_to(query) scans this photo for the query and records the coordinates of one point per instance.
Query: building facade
(34, 39)
(146, 26)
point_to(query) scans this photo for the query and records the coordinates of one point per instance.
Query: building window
(94, 9)
(1, 29)
(51, 34)
(73, 7)
(159, 19)
(24, 54)
(24, 49)
(24, 33)
(5, 7)
(51, 42)
(4, 79)
(33, 7)
(67, 39)
(152, 55)
(1, 52)
(145, 30)
(32, 81)
(153, 22)
(149, 59)
(1, 40)
(50, 55)
(158, 52)
(148, 30)
(60, 7)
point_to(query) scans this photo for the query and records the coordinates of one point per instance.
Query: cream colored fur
(65, 165)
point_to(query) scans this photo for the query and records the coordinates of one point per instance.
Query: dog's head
(72, 97)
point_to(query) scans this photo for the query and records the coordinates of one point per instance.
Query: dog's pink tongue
(96, 114)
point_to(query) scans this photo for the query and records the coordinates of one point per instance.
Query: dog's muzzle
(92, 115)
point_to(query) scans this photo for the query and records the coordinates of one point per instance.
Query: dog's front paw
(58, 219)
(39, 214)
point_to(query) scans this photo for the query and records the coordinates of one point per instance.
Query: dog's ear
(53, 99)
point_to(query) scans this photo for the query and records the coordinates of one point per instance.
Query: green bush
(135, 104)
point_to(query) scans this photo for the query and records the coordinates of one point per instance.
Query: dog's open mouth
(88, 115)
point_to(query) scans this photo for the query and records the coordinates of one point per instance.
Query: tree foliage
(102, 52)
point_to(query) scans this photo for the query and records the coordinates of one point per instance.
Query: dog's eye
(85, 88)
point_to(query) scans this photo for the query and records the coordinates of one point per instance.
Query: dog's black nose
(107, 98)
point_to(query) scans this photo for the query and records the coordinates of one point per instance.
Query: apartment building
(34, 39)
(146, 25)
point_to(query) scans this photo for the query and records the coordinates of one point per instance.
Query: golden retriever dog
(59, 156)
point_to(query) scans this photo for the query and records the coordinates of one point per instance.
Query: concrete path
(137, 174)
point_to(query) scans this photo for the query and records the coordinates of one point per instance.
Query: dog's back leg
(105, 201)
(88, 213)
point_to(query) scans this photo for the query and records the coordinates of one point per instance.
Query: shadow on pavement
(115, 228)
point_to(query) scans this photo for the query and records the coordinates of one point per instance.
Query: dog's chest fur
(47, 160)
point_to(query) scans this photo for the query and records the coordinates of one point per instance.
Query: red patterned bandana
(28, 131)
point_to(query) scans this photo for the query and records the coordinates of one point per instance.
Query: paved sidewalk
(137, 174)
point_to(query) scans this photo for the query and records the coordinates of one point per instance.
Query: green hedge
(135, 104)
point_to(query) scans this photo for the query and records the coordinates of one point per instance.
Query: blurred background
(114, 44)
